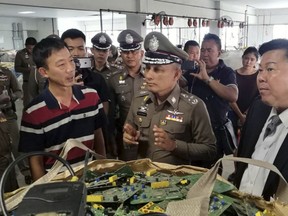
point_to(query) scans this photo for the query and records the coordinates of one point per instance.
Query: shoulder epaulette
(189, 98)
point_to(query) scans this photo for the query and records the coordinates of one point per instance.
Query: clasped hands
(161, 137)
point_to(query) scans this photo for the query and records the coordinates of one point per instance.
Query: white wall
(266, 20)
(38, 28)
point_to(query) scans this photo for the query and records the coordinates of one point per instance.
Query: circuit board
(129, 193)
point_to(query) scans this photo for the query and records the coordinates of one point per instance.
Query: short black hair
(43, 50)
(73, 34)
(30, 41)
(252, 50)
(215, 38)
(190, 43)
(274, 45)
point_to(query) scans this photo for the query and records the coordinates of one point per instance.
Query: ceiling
(259, 4)
(13, 10)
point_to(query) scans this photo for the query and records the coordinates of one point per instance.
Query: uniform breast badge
(174, 116)
(163, 122)
(142, 110)
(121, 81)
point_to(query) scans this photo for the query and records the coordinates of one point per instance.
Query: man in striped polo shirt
(61, 111)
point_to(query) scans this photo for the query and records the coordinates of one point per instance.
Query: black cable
(20, 158)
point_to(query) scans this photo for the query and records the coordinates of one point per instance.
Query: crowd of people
(164, 103)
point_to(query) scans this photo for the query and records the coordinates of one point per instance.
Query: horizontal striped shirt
(46, 124)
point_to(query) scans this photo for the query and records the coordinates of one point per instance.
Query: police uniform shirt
(23, 63)
(123, 87)
(183, 116)
(106, 72)
(8, 81)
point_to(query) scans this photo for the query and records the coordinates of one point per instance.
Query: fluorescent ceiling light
(26, 12)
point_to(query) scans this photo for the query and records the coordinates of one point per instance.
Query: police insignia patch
(129, 39)
(153, 44)
(102, 40)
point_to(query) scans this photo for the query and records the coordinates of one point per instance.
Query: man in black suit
(258, 142)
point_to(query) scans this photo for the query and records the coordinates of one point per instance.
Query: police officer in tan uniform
(101, 50)
(24, 64)
(11, 91)
(126, 83)
(167, 123)
(5, 146)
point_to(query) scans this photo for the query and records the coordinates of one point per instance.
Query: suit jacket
(256, 118)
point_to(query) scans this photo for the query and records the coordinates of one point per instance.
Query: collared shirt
(46, 124)
(183, 116)
(9, 82)
(217, 106)
(123, 88)
(23, 63)
(254, 178)
(107, 71)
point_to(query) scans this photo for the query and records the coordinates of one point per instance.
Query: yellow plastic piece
(162, 184)
(114, 184)
(113, 178)
(74, 179)
(259, 214)
(158, 209)
(184, 181)
(151, 172)
(268, 213)
(145, 208)
(97, 206)
(132, 180)
(94, 198)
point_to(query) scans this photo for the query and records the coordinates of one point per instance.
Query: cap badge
(102, 39)
(153, 44)
(129, 39)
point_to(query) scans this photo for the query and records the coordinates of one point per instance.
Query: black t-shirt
(216, 106)
(97, 82)
(248, 90)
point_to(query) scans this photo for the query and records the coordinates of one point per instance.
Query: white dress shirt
(254, 178)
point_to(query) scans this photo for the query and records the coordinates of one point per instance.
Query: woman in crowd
(246, 80)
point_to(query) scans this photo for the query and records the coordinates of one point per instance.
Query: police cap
(101, 41)
(129, 40)
(160, 51)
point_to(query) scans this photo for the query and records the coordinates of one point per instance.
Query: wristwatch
(209, 80)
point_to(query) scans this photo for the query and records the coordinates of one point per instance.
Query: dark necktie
(271, 127)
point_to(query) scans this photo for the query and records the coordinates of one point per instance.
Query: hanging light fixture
(203, 23)
(189, 22)
(195, 22)
(165, 20)
(157, 19)
(171, 21)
